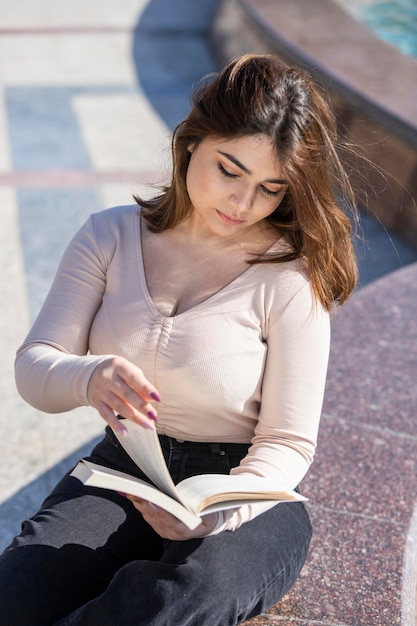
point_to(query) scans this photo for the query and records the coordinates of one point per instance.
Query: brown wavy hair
(259, 94)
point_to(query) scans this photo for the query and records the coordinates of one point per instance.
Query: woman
(205, 315)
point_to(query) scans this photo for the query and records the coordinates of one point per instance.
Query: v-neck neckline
(194, 307)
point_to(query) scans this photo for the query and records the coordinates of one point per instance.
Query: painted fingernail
(122, 430)
(121, 493)
(149, 425)
(153, 416)
(153, 506)
(155, 396)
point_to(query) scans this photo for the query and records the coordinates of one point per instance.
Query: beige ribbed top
(246, 365)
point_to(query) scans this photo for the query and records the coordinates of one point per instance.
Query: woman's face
(233, 184)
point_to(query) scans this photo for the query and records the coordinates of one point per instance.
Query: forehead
(255, 152)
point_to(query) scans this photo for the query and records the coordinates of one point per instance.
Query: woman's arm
(292, 396)
(52, 366)
(54, 371)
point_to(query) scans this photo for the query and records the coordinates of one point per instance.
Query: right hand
(117, 386)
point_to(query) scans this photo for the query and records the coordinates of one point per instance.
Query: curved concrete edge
(315, 34)
(349, 75)
(370, 83)
(409, 586)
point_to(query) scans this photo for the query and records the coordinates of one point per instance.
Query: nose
(242, 198)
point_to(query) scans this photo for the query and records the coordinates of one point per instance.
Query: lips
(229, 220)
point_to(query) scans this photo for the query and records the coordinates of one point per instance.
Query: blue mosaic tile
(60, 212)
(44, 129)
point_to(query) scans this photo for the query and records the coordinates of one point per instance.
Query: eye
(225, 172)
(269, 192)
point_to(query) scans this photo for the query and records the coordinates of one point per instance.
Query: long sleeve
(293, 386)
(52, 366)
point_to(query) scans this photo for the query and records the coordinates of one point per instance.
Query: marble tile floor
(89, 95)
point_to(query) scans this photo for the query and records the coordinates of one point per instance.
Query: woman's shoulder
(116, 215)
(284, 276)
(286, 291)
(286, 272)
(108, 230)
(115, 222)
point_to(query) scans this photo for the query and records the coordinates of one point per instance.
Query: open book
(189, 499)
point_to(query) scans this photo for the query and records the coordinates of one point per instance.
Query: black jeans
(88, 558)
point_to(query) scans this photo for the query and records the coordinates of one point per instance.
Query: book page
(208, 489)
(144, 449)
(99, 476)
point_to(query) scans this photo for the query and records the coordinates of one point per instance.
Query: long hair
(258, 94)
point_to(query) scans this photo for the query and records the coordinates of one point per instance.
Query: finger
(112, 420)
(132, 399)
(136, 380)
(144, 503)
(148, 509)
(120, 407)
(135, 499)
(110, 384)
(110, 410)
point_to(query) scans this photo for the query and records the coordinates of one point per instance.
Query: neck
(255, 239)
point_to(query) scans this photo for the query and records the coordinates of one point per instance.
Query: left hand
(168, 526)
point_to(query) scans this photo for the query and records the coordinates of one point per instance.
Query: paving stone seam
(366, 426)
(58, 178)
(272, 619)
(371, 518)
(63, 30)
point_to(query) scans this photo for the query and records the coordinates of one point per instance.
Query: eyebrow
(233, 159)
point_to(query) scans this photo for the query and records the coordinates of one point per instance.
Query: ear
(191, 147)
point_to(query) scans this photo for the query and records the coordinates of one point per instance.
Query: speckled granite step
(362, 566)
